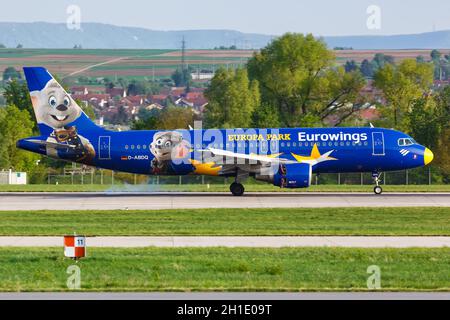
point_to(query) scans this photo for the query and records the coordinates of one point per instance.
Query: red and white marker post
(74, 246)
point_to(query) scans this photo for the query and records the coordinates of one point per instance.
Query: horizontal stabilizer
(50, 144)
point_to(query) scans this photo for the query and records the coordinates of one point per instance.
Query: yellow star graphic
(315, 154)
(209, 168)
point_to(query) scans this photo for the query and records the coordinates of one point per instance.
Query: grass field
(132, 64)
(214, 188)
(139, 64)
(222, 269)
(295, 221)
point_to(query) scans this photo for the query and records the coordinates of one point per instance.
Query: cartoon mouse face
(54, 107)
(164, 143)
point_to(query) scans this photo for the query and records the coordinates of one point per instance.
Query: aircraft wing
(242, 156)
(267, 160)
(51, 144)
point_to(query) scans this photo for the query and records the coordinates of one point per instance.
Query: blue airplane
(285, 157)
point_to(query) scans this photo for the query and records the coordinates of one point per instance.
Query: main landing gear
(237, 189)
(377, 189)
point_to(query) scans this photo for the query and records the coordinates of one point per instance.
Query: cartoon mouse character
(57, 110)
(165, 147)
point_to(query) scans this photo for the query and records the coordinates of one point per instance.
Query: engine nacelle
(297, 175)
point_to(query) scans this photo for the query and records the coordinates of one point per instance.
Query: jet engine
(297, 175)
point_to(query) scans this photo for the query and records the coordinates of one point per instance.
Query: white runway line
(198, 200)
(236, 241)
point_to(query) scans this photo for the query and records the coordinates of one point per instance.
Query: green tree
(121, 116)
(429, 124)
(2, 46)
(109, 84)
(88, 109)
(232, 99)
(350, 66)
(265, 116)
(11, 73)
(380, 60)
(366, 69)
(288, 70)
(441, 117)
(425, 122)
(435, 55)
(17, 94)
(147, 119)
(173, 117)
(15, 124)
(420, 59)
(142, 88)
(402, 85)
(181, 77)
(339, 95)
(296, 74)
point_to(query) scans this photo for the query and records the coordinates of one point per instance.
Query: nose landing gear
(377, 189)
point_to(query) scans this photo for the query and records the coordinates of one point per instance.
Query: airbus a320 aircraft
(287, 158)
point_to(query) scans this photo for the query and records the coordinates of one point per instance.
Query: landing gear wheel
(237, 189)
(378, 190)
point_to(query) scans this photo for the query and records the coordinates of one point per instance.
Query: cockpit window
(403, 142)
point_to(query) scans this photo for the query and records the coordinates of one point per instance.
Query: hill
(104, 36)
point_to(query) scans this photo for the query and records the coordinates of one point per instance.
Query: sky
(274, 17)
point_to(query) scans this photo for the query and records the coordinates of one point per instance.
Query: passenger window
(126, 147)
(401, 142)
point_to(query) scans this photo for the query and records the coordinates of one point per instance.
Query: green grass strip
(417, 221)
(225, 269)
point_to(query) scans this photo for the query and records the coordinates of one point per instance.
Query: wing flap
(243, 156)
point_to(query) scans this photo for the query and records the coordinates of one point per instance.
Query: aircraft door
(104, 148)
(378, 143)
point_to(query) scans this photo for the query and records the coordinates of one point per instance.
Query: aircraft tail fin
(53, 107)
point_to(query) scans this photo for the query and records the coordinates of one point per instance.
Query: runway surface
(223, 296)
(232, 241)
(181, 200)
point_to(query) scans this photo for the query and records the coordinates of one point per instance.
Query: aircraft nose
(428, 156)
